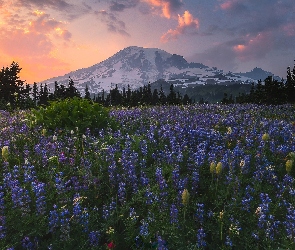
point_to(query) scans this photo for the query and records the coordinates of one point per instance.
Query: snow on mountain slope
(137, 66)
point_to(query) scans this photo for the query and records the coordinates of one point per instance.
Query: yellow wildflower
(218, 168)
(265, 137)
(110, 230)
(44, 131)
(289, 164)
(221, 215)
(185, 197)
(5, 153)
(212, 167)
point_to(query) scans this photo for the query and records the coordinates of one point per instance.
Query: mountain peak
(137, 66)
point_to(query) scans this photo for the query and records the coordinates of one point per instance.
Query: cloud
(121, 5)
(32, 51)
(220, 55)
(113, 24)
(69, 10)
(187, 24)
(22, 43)
(45, 24)
(228, 55)
(254, 48)
(233, 6)
(31, 41)
(168, 7)
(60, 5)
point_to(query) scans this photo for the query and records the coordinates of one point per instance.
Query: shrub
(72, 113)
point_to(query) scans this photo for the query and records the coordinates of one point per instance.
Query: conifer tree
(11, 87)
(87, 93)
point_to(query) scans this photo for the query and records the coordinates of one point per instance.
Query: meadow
(166, 177)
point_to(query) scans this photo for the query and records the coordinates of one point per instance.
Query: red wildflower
(111, 245)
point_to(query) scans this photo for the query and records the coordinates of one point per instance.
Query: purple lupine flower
(39, 190)
(144, 228)
(228, 241)
(266, 220)
(105, 212)
(59, 183)
(27, 243)
(112, 170)
(289, 222)
(122, 192)
(2, 217)
(84, 221)
(162, 244)
(149, 196)
(53, 219)
(20, 198)
(77, 209)
(112, 205)
(132, 214)
(64, 221)
(163, 187)
(175, 176)
(108, 210)
(200, 213)
(143, 178)
(195, 181)
(173, 214)
(29, 173)
(94, 238)
(2, 227)
(143, 147)
(1, 200)
(62, 158)
(246, 200)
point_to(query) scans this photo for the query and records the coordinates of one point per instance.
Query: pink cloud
(254, 48)
(233, 6)
(186, 24)
(168, 7)
(30, 43)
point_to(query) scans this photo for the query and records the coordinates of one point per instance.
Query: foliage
(170, 177)
(72, 114)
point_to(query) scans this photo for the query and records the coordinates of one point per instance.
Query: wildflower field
(166, 177)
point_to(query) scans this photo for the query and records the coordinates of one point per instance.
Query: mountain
(137, 66)
(258, 74)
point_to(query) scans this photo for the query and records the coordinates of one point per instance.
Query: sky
(49, 38)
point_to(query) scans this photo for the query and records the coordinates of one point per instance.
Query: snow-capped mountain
(137, 66)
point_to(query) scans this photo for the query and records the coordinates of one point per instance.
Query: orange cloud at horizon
(185, 22)
(30, 41)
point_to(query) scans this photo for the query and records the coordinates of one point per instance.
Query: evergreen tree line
(15, 93)
(143, 96)
(270, 92)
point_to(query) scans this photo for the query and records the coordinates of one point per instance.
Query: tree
(290, 84)
(71, 90)
(87, 93)
(11, 87)
(162, 97)
(155, 98)
(35, 94)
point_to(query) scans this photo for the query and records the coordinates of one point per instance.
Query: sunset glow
(52, 38)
